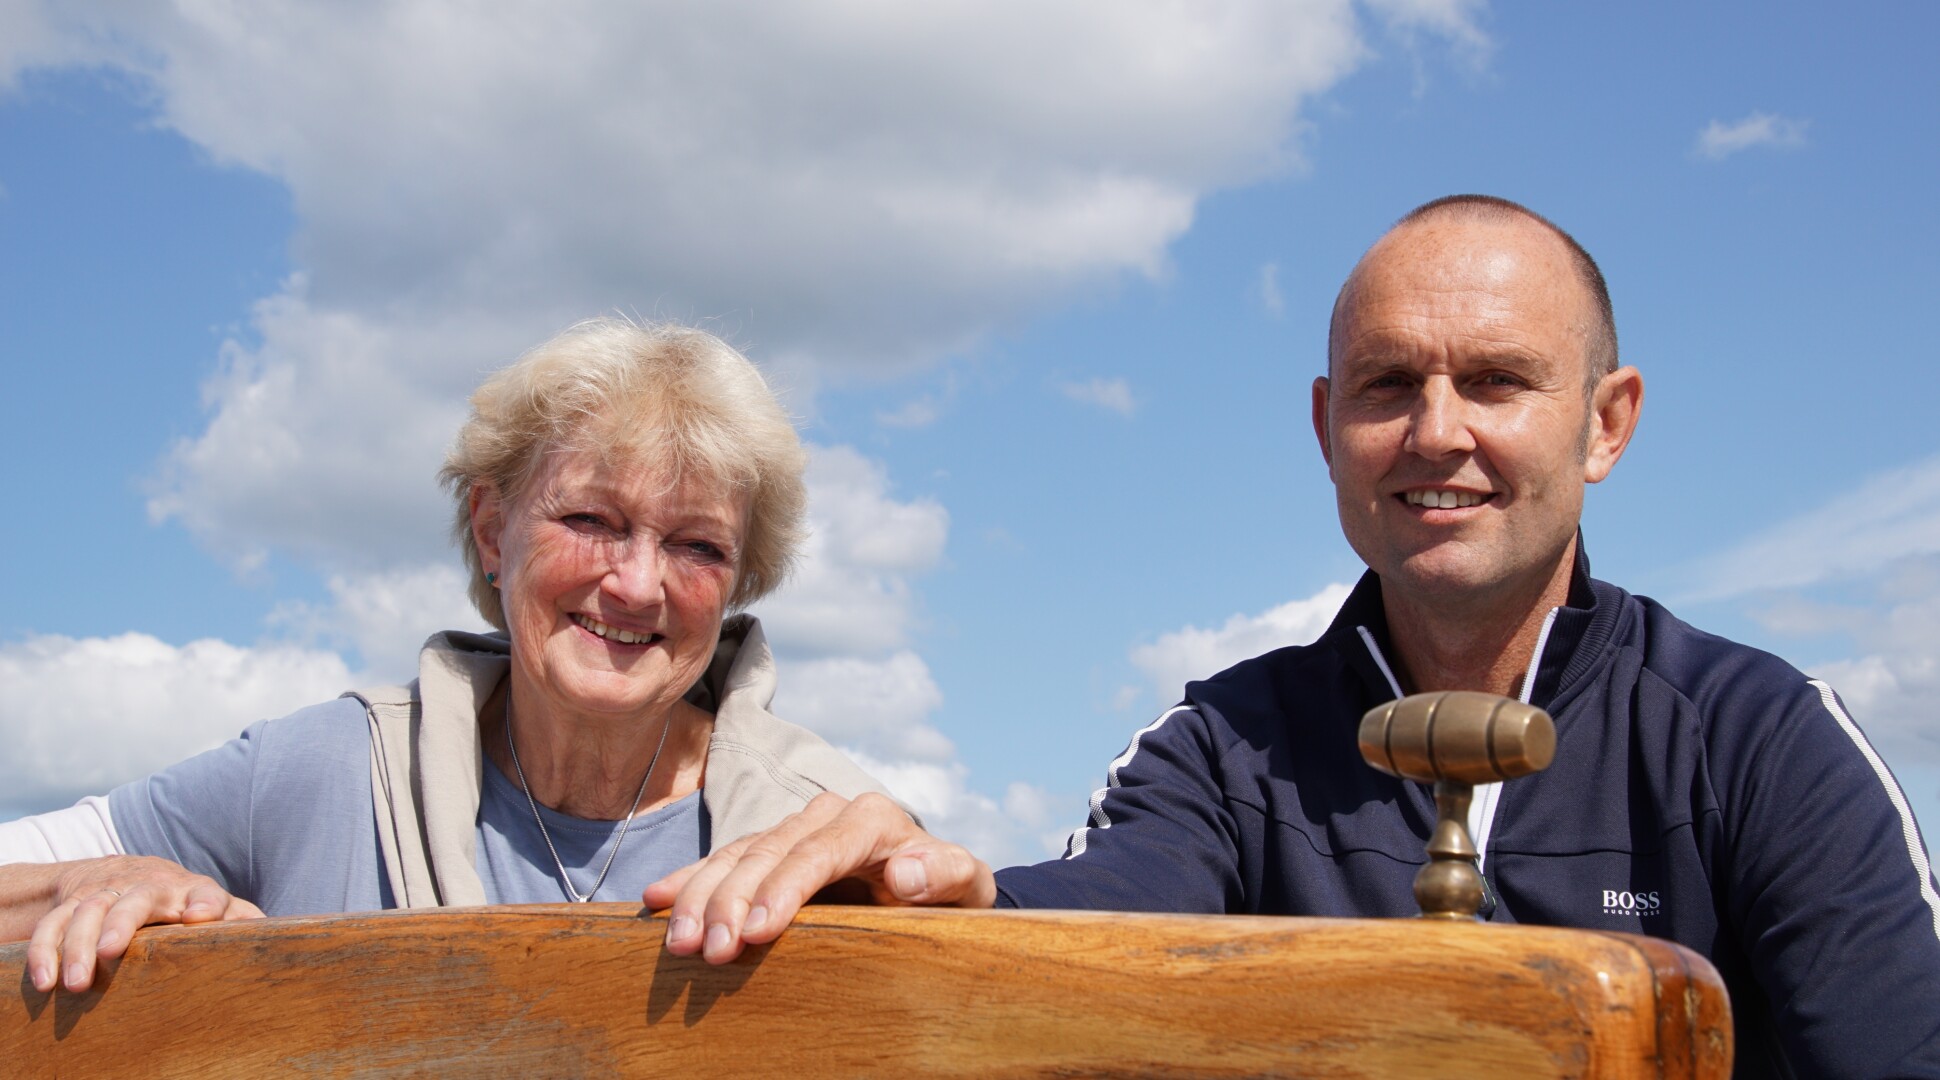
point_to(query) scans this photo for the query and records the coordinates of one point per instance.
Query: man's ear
(1321, 388)
(1614, 411)
(488, 523)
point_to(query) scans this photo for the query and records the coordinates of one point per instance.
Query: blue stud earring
(491, 579)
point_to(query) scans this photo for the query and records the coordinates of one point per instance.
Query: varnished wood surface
(588, 991)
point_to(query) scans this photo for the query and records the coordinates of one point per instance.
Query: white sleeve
(82, 831)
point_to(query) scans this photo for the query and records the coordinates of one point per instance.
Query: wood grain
(587, 990)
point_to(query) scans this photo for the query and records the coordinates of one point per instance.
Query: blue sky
(1046, 285)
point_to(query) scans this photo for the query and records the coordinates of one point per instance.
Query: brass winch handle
(1455, 739)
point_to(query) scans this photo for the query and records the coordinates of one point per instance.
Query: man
(1702, 791)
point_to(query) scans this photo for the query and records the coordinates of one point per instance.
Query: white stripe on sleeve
(1914, 849)
(1099, 818)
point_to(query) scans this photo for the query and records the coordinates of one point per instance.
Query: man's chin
(1443, 575)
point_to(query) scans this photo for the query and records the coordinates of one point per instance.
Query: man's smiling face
(1453, 418)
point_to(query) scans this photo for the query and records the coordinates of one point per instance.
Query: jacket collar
(1573, 645)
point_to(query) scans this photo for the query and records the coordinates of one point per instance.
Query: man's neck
(1486, 645)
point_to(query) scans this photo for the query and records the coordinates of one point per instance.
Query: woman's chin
(606, 692)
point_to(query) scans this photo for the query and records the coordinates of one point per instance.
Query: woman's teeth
(1444, 500)
(614, 633)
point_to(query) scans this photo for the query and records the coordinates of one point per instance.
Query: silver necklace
(575, 894)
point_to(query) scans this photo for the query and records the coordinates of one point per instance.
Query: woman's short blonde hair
(661, 394)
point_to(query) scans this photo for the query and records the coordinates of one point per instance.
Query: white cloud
(918, 413)
(1884, 538)
(1890, 516)
(1112, 395)
(1269, 290)
(852, 595)
(1891, 686)
(386, 616)
(1196, 653)
(877, 706)
(1720, 140)
(29, 39)
(1022, 827)
(467, 181)
(82, 715)
(1457, 20)
(325, 439)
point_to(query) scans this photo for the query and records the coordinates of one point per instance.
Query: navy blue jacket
(1703, 792)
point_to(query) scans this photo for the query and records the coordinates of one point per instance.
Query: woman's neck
(592, 767)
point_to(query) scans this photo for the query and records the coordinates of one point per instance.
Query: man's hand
(100, 903)
(747, 892)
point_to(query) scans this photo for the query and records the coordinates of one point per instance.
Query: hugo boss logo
(1617, 902)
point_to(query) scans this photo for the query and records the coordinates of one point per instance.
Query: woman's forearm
(27, 892)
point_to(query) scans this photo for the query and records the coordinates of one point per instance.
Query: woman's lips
(613, 633)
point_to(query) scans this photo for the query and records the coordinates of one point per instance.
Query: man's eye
(1387, 382)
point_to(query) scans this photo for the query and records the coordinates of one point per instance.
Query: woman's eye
(703, 549)
(585, 519)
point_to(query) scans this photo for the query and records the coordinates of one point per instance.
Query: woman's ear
(488, 523)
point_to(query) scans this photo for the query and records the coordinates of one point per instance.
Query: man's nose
(637, 577)
(1440, 423)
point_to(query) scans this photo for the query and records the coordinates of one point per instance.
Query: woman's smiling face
(614, 578)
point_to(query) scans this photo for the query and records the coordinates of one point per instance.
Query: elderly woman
(619, 489)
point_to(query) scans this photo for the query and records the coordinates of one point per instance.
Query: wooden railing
(583, 991)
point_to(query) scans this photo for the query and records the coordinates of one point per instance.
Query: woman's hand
(748, 892)
(100, 903)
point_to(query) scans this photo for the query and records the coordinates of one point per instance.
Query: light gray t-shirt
(282, 817)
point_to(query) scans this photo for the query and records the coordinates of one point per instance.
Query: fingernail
(757, 918)
(909, 877)
(717, 939)
(75, 974)
(682, 928)
(43, 978)
(109, 939)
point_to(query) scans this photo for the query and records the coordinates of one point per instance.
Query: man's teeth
(1444, 500)
(613, 633)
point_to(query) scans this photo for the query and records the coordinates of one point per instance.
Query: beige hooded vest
(427, 765)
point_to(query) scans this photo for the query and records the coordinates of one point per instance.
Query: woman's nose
(637, 577)
(1439, 426)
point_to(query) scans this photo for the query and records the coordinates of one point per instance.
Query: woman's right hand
(100, 903)
(747, 892)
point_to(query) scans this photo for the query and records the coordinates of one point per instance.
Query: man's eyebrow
(1368, 361)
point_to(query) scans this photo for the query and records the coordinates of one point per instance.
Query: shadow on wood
(587, 990)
